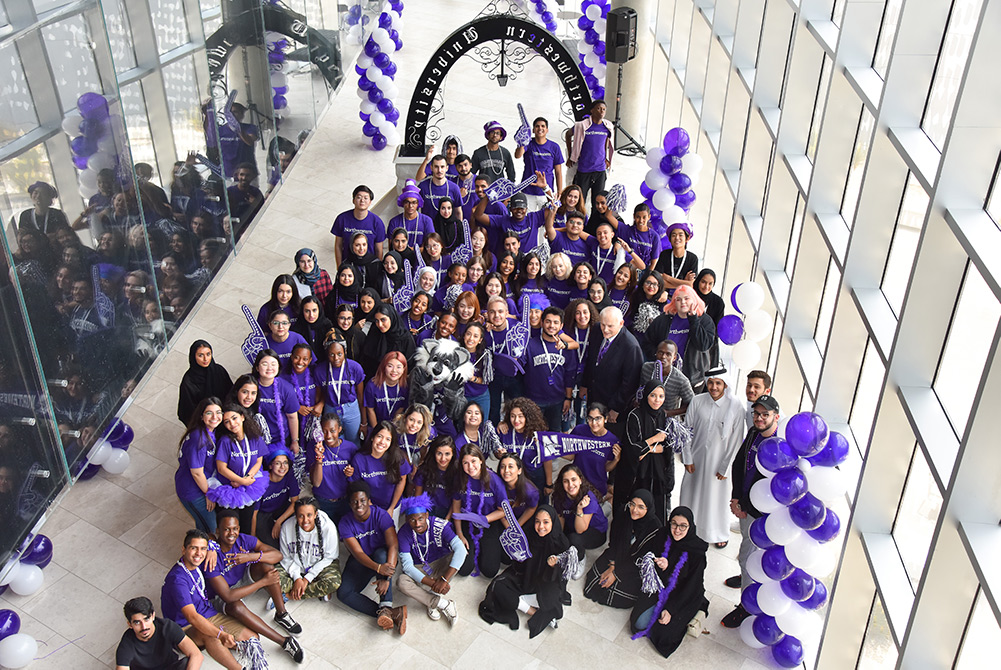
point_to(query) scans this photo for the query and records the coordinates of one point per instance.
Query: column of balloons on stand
(22, 575)
(745, 331)
(667, 187)
(794, 537)
(591, 47)
(111, 451)
(96, 135)
(540, 13)
(276, 44)
(376, 71)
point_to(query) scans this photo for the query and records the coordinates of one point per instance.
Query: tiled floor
(116, 536)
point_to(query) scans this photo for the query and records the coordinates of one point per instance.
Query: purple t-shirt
(416, 229)
(531, 499)
(598, 520)
(373, 472)
(346, 225)
(433, 195)
(549, 372)
(334, 484)
(278, 494)
(475, 491)
(197, 451)
(592, 151)
(384, 399)
(558, 292)
(527, 450)
(340, 385)
(542, 157)
(527, 229)
(645, 244)
(240, 457)
(440, 495)
(284, 349)
(576, 250)
(430, 545)
(371, 533)
(592, 463)
(303, 385)
(274, 402)
(497, 341)
(679, 333)
(181, 588)
(493, 208)
(231, 573)
(603, 260)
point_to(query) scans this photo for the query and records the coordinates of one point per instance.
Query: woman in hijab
(313, 325)
(368, 300)
(310, 278)
(387, 334)
(448, 224)
(597, 293)
(543, 575)
(362, 258)
(647, 457)
(673, 589)
(204, 379)
(389, 277)
(347, 289)
(614, 579)
(344, 324)
(704, 283)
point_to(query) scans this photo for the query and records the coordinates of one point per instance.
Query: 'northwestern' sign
(554, 445)
(509, 28)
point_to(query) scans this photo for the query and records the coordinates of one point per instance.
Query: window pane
(17, 111)
(70, 48)
(983, 637)
(993, 204)
(870, 381)
(887, 31)
(168, 20)
(140, 139)
(949, 70)
(853, 185)
(116, 22)
(826, 314)
(878, 650)
(15, 177)
(838, 12)
(966, 348)
(904, 243)
(185, 110)
(797, 227)
(818, 107)
(916, 517)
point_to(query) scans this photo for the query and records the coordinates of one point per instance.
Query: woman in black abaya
(204, 379)
(648, 458)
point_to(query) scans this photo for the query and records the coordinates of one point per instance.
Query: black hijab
(199, 383)
(353, 337)
(384, 282)
(365, 266)
(537, 570)
(347, 294)
(378, 343)
(651, 419)
(450, 229)
(714, 304)
(362, 314)
(313, 333)
(625, 531)
(691, 542)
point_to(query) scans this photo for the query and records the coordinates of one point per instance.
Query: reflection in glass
(853, 184)
(70, 48)
(169, 23)
(910, 220)
(916, 517)
(185, 108)
(137, 122)
(17, 112)
(17, 175)
(878, 650)
(116, 22)
(983, 636)
(966, 348)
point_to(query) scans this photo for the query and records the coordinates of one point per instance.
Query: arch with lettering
(485, 29)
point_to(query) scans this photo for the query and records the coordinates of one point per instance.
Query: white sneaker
(447, 607)
(433, 613)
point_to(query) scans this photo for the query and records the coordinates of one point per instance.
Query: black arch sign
(475, 32)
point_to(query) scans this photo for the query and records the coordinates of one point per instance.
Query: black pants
(589, 181)
(591, 538)
(490, 550)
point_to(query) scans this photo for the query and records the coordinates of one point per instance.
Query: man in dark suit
(612, 371)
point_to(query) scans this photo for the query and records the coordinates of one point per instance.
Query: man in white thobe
(717, 422)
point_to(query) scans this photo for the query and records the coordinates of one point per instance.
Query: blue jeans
(350, 419)
(335, 509)
(510, 387)
(355, 577)
(644, 619)
(553, 414)
(204, 519)
(483, 401)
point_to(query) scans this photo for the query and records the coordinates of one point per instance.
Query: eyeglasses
(762, 415)
(651, 284)
(594, 419)
(679, 526)
(635, 506)
(280, 323)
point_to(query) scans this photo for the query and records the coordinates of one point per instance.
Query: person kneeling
(152, 642)
(544, 574)
(370, 536)
(309, 566)
(245, 565)
(430, 555)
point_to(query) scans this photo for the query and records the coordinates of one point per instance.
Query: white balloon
(362, 94)
(750, 297)
(803, 552)
(392, 137)
(88, 178)
(278, 78)
(271, 36)
(87, 192)
(100, 453)
(591, 59)
(654, 155)
(805, 466)
(117, 462)
(593, 12)
(71, 124)
(754, 569)
(780, 528)
(746, 354)
(757, 325)
(794, 621)
(655, 179)
(584, 48)
(382, 38)
(771, 600)
(397, 21)
(11, 574)
(747, 633)
(762, 469)
(662, 197)
(600, 26)
(390, 89)
(600, 70)
(826, 483)
(28, 580)
(367, 106)
(376, 118)
(673, 214)
(365, 61)
(108, 144)
(100, 161)
(827, 561)
(691, 164)
(17, 651)
(764, 501)
(373, 73)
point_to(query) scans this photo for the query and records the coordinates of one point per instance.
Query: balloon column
(96, 134)
(376, 71)
(667, 188)
(277, 43)
(745, 333)
(356, 24)
(540, 13)
(23, 577)
(591, 48)
(793, 537)
(111, 451)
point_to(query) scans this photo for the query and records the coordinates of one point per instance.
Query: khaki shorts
(227, 623)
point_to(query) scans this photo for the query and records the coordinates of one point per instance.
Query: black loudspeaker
(620, 35)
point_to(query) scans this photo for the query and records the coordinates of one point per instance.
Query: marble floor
(116, 536)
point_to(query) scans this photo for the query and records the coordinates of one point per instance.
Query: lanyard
(245, 457)
(601, 263)
(391, 404)
(197, 580)
(337, 386)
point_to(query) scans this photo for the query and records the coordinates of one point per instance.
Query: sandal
(721, 545)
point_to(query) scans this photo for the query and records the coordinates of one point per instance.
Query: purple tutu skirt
(236, 497)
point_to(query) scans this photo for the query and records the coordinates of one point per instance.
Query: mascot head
(444, 360)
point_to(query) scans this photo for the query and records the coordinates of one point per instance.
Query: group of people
(316, 473)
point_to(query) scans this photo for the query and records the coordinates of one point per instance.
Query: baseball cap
(768, 402)
(519, 200)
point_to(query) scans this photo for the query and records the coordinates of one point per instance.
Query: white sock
(522, 605)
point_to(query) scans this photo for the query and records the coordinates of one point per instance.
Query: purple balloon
(788, 486)
(646, 191)
(807, 432)
(775, 564)
(83, 146)
(385, 21)
(93, 128)
(670, 165)
(114, 431)
(93, 106)
(775, 454)
(808, 512)
(749, 598)
(385, 105)
(599, 92)
(599, 49)
(676, 142)
(730, 329)
(280, 90)
(398, 41)
(788, 652)
(828, 529)
(363, 116)
(365, 84)
(39, 553)
(354, 10)
(382, 60)
(89, 472)
(276, 57)
(819, 597)
(80, 162)
(10, 623)
(360, 70)
(679, 183)
(372, 49)
(834, 452)
(685, 200)
(126, 435)
(592, 81)
(375, 95)
(390, 70)
(767, 630)
(733, 298)
(369, 130)
(590, 36)
(585, 23)
(379, 142)
(585, 70)
(798, 586)
(547, 17)
(758, 534)
(393, 115)
(3, 589)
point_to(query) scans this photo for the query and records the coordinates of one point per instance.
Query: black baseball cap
(768, 402)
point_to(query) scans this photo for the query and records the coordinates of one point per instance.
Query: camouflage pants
(324, 584)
